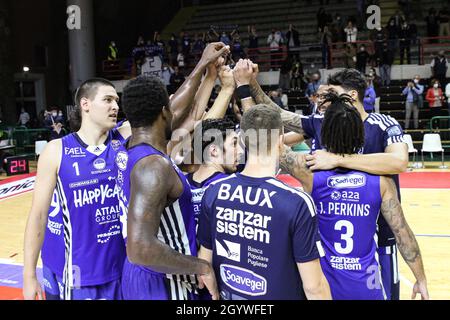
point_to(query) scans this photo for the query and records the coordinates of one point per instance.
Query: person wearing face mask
(412, 92)
(439, 66)
(435, 98)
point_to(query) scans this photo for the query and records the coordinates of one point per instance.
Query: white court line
(406, 281)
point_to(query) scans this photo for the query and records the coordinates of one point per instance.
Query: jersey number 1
(77, 169)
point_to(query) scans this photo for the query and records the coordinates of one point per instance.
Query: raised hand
(213, 52)
(243, 72)
(226, 77)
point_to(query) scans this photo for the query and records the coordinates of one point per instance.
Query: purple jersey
(52, 253)
(380, 132)
(348, 204)
(258, 230)
(93, 251)
(198, 189)
(177, 227)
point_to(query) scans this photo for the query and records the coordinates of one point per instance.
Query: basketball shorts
(142, 284)
(389, 271)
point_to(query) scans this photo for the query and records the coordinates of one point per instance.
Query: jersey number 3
(347, 237)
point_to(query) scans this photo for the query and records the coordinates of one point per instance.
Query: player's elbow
(317, 289)
(401, 165)
(138, 253)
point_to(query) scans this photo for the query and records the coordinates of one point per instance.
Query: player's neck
(261, 167)
(361, 111)
(207, 170)
(151, 135)
(92, 136)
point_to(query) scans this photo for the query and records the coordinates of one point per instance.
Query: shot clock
(17, 165)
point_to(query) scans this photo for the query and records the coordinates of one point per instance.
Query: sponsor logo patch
(229, 250)
(99, 164)
(122, 160)
(243, 280)
(354, 180)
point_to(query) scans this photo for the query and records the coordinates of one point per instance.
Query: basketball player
(216, 142)
(260, 234)
(161, 241)
(87, 260)
(98, 106)
(348, 204)
(385, 153)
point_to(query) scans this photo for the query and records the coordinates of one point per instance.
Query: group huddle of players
(115, 217)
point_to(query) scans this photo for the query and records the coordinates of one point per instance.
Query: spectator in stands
(237, 51)
(185, 45)
(138, 54)
(24, 118)
(435, 98)
(439, 66)
(392, 35)
(311, 90)
(413, 33)
(166, 75)
(173, 49)
(252, 37)
(362, 57)
(276, 97)
(398, 19)
(350, 56)
(417, 83)
(284, 98)
(285, 74)
(325, 38)
(444, 18)
(158, 42)
(412, 92)
(176, 80)
(252, 43)
(432, 21)
(198, 45)
(351, 32)
(375, 82)
(323, 18)
(225, 38)
(338, 29)
(369, 98)
(60, 118)
(275, 40)
(297, 75)
(181, 59)
(292, 39)
(379, 39)
(113, 52)
(51, 123)
(405, 42)
(387, 58)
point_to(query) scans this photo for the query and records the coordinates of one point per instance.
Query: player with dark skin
(154, 186)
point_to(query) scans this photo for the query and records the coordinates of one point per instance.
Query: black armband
(243, 92)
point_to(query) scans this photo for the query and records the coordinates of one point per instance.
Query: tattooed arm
(295, 164)
(406, 241)
(291, 121)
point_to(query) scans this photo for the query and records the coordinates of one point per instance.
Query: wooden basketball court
(426, 208)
